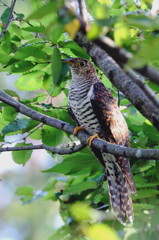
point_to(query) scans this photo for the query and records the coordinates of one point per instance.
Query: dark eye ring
(82, 64)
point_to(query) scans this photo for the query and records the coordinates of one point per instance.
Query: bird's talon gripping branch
(91, 138)
(76, 129)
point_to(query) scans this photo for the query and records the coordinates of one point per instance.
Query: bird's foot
(91, 138)
(76, 129)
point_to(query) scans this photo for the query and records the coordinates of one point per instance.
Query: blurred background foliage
(67, 197)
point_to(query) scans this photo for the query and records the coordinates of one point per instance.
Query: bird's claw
(76, 129)
(91, 138)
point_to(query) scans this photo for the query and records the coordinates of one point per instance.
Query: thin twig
(9, 19)
(16, 14)
(61, 150)
(104, 146)
(27, 135)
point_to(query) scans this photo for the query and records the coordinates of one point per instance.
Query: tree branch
(9, 19)
(61, 149)
(141, 83)
(82, 135)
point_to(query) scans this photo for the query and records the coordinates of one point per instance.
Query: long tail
(119, 190)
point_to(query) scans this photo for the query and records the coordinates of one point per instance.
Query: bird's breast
(80, 104)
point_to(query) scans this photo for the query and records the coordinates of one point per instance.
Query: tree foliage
(32, 48)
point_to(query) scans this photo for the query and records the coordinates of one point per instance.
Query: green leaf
(151, 132)
(145, 193)
(5, 15)
(79, 187)
(15, 125)
(135, 122)
(121, 33)
(143, 206)
(16, 29)
(22, 66)
(61, 233)
(56, 65)
(51, 136)
(37, 29)
(21, 157)
(4, 58)
(12, 93)
(94, 32)
(148, 51)
(76, 49)
(6, 45)
(46, 9)
(101, 232)
(36, 135)
(29, 51)
(81, 212)
(30, 81)
(55, 33)
(77, 164)
(9, 113)
(50, 184)
(25, 190)
(142, 22)
(3, 123)
(20, 15)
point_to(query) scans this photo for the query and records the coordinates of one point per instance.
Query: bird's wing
(109, 116)
(112, 123)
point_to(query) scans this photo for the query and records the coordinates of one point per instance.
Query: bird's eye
(82, 64)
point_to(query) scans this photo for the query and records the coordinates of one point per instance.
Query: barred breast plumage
(94, 108)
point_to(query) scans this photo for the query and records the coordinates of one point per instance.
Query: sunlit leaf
(121, 33)
(51, 136)
(25, 190)
(81, 211)
(30, 81)
(94, 32)
(100, 232)
(73, 27)
(151, 132)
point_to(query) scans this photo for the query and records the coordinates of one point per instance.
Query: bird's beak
(68, 60)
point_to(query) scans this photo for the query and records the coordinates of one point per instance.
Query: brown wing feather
(113, 125)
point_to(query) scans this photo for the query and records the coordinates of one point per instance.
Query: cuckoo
(94, 109)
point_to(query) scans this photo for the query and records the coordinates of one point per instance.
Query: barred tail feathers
(119, 190)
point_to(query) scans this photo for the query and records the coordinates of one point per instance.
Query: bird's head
(80, 67)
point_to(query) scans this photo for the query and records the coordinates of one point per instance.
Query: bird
(95, 110)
